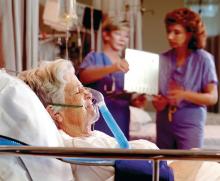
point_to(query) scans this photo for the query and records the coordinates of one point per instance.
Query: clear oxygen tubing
(110, 121)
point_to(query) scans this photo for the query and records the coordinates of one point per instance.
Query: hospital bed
(24, 118)
(112, 154)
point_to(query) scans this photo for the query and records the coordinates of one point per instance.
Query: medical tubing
(110, 121)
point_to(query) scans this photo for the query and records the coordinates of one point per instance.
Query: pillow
(139, 121)
(23, 117)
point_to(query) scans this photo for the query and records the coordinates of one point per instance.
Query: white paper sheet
(143, 73)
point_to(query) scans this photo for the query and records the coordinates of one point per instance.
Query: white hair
(48, 81)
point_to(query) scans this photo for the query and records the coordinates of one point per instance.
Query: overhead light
(207, 10)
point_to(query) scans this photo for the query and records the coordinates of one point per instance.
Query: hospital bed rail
(113, 154)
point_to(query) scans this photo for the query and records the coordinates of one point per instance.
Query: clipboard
(143, 74)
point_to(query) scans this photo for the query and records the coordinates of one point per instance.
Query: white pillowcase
(139, 121)
(23, 117)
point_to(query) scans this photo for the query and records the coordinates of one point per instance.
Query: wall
(154, 35)
(212, 24)
(1, 49)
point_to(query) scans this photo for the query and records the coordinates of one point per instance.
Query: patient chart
(143, 73)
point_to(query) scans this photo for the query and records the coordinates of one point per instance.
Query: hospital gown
(99, 140)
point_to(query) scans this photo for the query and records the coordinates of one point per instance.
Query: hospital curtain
(213, 46)
(122, 9)
(1, 52)
(19, 33)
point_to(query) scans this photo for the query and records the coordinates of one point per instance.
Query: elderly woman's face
(82, 117)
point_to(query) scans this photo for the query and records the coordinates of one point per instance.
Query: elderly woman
(70, 104)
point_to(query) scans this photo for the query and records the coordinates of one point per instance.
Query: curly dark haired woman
(188, 83)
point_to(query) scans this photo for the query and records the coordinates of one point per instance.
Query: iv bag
(60, 14)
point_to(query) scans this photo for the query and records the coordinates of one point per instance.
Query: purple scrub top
(187, 125)
(104, 85)
(198, 71)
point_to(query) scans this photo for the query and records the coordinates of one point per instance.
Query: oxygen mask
(110, 121)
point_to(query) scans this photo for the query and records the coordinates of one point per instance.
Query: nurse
(104, 71)
(188, 83)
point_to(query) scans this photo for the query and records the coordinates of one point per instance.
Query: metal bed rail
(113, 154)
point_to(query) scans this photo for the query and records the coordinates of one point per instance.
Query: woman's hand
(159, 102)
(208, 97)
(139, 101)
(175, 96)
(122, 66)
(175, 93)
